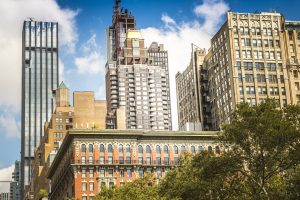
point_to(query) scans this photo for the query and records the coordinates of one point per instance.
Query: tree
(266, 139)
(140, 189)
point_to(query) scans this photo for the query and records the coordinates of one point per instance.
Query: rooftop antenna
(117, 6)
(31, 18)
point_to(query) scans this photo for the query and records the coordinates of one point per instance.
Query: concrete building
(89, 159)
(253, 56)
(15, 184)
(39, 79)
(87, 113)
(137, 78)
(4, 196)
(191, 84)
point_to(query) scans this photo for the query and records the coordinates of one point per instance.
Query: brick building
(89, 159)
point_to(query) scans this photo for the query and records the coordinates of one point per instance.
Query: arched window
(110, 149)
(140, 149)
(193, 149)
(175, 149)
(127, 148)
(166, 149)
(120, 148)
(218, 150)
(148, 149)
(91, 148)
(83, 148)
(158, 150)
(182, 149)
(102, 148)
(200, 149)
(209, 149)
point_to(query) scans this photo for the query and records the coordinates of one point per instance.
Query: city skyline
(84, 57)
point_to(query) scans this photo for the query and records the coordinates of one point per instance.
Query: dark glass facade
(39, 79)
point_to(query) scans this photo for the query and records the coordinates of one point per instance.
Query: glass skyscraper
(39, 80)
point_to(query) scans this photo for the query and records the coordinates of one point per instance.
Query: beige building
(87, 113)
(190, 88)
(253, 56)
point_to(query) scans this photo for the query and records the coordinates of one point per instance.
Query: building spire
(117, 6)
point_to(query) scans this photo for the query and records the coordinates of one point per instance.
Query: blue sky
(82, 37)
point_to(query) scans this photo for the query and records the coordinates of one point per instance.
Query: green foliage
(262, 161)
(43, 193)
(139, 189)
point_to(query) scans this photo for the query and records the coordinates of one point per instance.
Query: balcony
(125, 162)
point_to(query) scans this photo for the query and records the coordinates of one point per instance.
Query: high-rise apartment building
(137, 78)
(4, 196)
(253, 56)
(15, 184)
(191, 87)
(39, 79)
(248, 63)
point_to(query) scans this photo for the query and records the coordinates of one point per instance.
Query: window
(250, 90)
(283, 91)
(110, 159)
(266, 43)
(248, 65)
(101, 148)
(102, 173)
(83, 173)
(259, 66)
(237, 54)
(90, 148)
(148, 149)
(243, 54)
(91, 186)
(249, 78)
(129, 174)
(200, 148)
(158, 150)
(166, 150)
(209, 149)
(259, 43)
(158, 173)
(254, 43)
(182, 149)
(248, 42)
(140, 149)
(175, 149)
(121, 173)
(277, 42)
(241, 90)
(110, 172)
(297, 86)
(236, 42)
(120, 148)
(193, 149)
(261, 78)
(262, 90)
(267, 55)
(83, 159)
(141, 172)
(135, 43)
(91, 160)
(83, 148)
(127, 148)
(110, 149)
(272, 78)
(128, 160)
(91, 173)
(83, 188)
(278, 55)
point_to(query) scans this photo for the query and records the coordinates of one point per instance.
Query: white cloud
(8, 124)
(13, 13)
(211, 11)
(6, 175)
(92, 61)
(178, 38)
